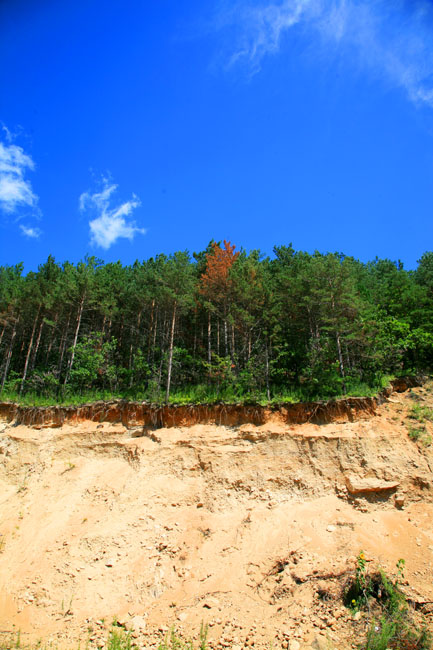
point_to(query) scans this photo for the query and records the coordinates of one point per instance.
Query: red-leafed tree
(216, 287)
(215, 281)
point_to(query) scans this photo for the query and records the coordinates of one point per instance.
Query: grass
(173, 641)
(117, 639)
(68, 399)
(396, 632)
(197, 394)
(419, 434)
(420, 413)
(380, 634)
(392, 624)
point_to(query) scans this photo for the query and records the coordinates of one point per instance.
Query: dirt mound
(242, 527)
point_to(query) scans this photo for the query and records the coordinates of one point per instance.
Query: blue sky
(133, 128)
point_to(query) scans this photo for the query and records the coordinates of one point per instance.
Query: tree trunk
(349, 363)
(226, 344)
(74, 344)
(103, 326)
(268, 392)
(131, 348)
(162, 339)
(63, 345)
(340, 354)
(35, 351)
(314, 332)
(170, 352)
(52, 337)
(29, 349)
(232, 346)
(137, 334)
(209, 339)
(9, 354)
(340, 359)
(119, 342)
(154, 337)
(149, 339)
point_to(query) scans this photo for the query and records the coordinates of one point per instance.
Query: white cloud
(261, 28)
(8, 134)
(110, 224)
(15, 189)
(29, 231)
(394, 40)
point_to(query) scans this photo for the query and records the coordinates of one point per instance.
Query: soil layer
(243, 523)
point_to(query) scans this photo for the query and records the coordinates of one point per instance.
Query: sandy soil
(240, 528)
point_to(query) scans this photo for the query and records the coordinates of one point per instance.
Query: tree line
(222, 323)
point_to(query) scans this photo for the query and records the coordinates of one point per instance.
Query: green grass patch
(198, 394)
(421, 413)
(119, 639)
(380, 596)
(420, 434)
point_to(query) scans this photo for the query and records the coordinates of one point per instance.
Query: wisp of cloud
(15, 189)
(30, 231)
(393, 40)
(110, 224)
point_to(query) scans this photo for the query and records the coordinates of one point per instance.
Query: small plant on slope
(118, 639)
(392, 625)
(173, 641)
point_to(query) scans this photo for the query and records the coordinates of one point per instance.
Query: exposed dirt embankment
(243, 527)
(152, 416)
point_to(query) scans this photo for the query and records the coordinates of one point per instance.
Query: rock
(182, 617)
(399, 500)
(137, 623)
(210, 602)
(356, 616)
(357, 485)
(320, 642)
(330, 529)
(294, 645)
(109, 562)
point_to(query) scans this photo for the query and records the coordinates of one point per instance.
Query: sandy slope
(235, 527)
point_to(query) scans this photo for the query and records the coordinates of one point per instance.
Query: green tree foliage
(226, 323)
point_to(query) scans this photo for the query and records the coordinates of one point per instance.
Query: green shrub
(392, 625)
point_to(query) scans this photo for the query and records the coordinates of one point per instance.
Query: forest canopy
(220, 325)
